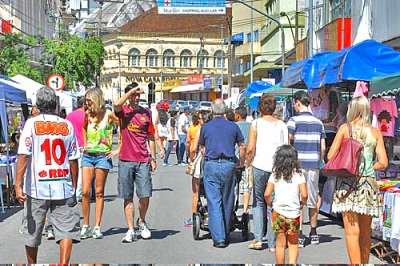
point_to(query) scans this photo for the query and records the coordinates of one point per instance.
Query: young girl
(286, 192)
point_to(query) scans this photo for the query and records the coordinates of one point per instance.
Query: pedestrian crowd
(63, 161)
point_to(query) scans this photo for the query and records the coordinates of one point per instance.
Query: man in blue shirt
(218, 139)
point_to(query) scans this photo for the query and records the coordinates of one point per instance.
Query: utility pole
(230, 58)
(274, 20)
(99, 28)
(222, 59)
(251, 44)
(310, 28)
(296, 38)
(201, 54)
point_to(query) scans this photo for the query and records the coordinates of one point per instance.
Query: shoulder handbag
(347, 161)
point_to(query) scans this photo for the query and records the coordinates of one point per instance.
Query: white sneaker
(129, 237)
(50, 234)
(144, 230)
(96, 233)
(86, 232)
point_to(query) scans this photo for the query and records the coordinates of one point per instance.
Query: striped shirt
(307, 132)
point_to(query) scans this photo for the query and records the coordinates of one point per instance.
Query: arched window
(186, 58)
(133, 57)
(169, 58)
(202, 59)
(151, 58)
(219, 61)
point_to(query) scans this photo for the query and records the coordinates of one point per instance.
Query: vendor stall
(9, 94)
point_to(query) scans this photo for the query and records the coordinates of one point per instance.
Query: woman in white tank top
(266, 134)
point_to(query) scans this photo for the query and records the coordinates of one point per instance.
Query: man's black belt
(221, 158)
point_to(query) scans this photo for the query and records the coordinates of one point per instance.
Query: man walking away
(183, 124)
(307, 134)
(49, 148)
(135, 162)
(218, 139)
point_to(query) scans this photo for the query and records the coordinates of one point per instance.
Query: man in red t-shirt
(135, 161)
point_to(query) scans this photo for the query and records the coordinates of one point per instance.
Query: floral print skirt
(364, 199)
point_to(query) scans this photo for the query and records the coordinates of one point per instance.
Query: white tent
(29, 86)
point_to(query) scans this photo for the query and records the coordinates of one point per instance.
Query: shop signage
(194, 79)
(172, 83)
(56, 82)
(207, 83)
(237, 38)
(203, 7)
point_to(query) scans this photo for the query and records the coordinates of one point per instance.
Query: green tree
(14, 58)
(77, 59)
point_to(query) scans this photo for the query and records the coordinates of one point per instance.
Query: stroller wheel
(245, 227)
(196, 226)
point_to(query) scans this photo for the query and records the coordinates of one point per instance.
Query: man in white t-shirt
(183, 124)
(48, 153)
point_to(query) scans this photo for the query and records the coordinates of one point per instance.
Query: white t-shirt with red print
(51, 143)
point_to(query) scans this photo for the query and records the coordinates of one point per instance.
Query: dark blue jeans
(182, 147)
(169, 149)
(219, 184)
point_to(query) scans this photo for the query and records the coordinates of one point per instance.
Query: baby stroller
(200, 219)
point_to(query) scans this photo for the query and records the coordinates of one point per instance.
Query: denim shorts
(97, 161)
(131, 174)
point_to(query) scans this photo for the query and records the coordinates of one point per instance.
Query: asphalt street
(172, 242)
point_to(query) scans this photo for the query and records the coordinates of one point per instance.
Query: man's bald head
(218, 107)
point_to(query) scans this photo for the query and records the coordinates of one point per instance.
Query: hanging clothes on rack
(384, 111)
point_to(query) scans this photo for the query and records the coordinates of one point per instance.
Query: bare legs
(195, 193)
(358, 236)
(293, 248)
(130, 211)
(65, 252)
(87, 179)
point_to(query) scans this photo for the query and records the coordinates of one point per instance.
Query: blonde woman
(96, 159)
(360, 205)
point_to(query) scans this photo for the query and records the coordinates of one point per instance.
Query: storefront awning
(189, 87)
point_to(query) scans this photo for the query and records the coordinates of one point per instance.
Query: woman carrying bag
(357, 198)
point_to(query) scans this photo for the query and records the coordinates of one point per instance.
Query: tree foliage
(15, 58)
(77, 59)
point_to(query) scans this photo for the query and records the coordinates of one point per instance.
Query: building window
(133, 57)
(186, 58)
(219, 61)
(202, 59)
(151, 58)
(337, 8)
(169, 58)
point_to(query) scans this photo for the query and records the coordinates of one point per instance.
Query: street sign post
(56, 82)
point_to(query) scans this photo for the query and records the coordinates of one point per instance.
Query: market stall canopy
(275, 90)
(257, 86)
(381, 86)
(362, 61)
(30, 86)
(9, 93)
